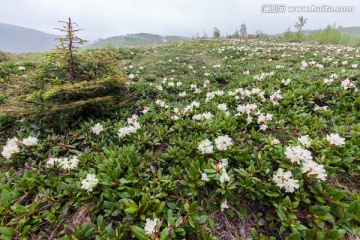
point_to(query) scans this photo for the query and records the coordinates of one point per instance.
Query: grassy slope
(156, 171)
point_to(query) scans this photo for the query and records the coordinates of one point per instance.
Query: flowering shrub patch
(216, 134)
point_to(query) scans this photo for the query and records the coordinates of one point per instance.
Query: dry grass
(228, 228)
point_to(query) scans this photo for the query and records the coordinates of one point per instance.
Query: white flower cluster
(158, 88)
(12, 145)
(204, 177)
(97, 129)
(89, 182)
(206, 146)
(275, 97)
(311, 167)
(328, 81)
(132, 127)
(211, 95)
(264, 119)
(274, 141)
(285, 180)
(286, 82)
(64, 163)
(223, 142)
(335, 139)
(161, 103)
(302, 156)
(224, 205)
(318, 108)
(150, 226)
(206, 115)
(347, 83)
(295, 154)
(263, 75)
(305, 141)
(189, 108)
(29, 141)
(247, 108)
(182, 94)
(222, 107)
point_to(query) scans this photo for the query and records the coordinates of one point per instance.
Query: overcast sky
(105, 18)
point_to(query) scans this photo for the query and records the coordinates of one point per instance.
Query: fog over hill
(19, 39)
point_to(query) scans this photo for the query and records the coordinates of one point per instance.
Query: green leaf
(334, 234)
(20, 210)
(159, 208)
(131, 210)
(164, 234)
(191, 222)
(294, 236)
(139, 233)
(310, 234)
(5, 198)
(319, 210)
(50, 218)
(354, 208)
(7, 232)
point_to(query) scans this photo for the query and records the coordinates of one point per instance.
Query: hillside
(353, 31)
(131, 40)
(19, 39)
(200, 139)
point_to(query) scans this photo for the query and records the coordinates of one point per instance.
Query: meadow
(199, 139)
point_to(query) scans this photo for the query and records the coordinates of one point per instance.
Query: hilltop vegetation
(132, 40)
(202, 139)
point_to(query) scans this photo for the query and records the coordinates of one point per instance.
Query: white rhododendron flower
(318, 108)
(286, 82)
(52, 161)
(182, 94)
(206, 146)
(97, 129)
(29, 141)
(222, 107)
(305, 141)
(89, 182)
(132, 127)
(285, 180)
(335, 139)
(264, 118)
(207, 116)
(150, 226)
(161, 103)
(347, 83)
(224, 205)
(263, 127)
(223, 142)
(65, 163)
(223, 163)
(224, 176)
(275, 97)
(247, 108)
(295, 154)
(159, 88)
(274, 141)
(11, 147)
(328, 81)
(311, 168)
(69, 163)
(204, 177)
